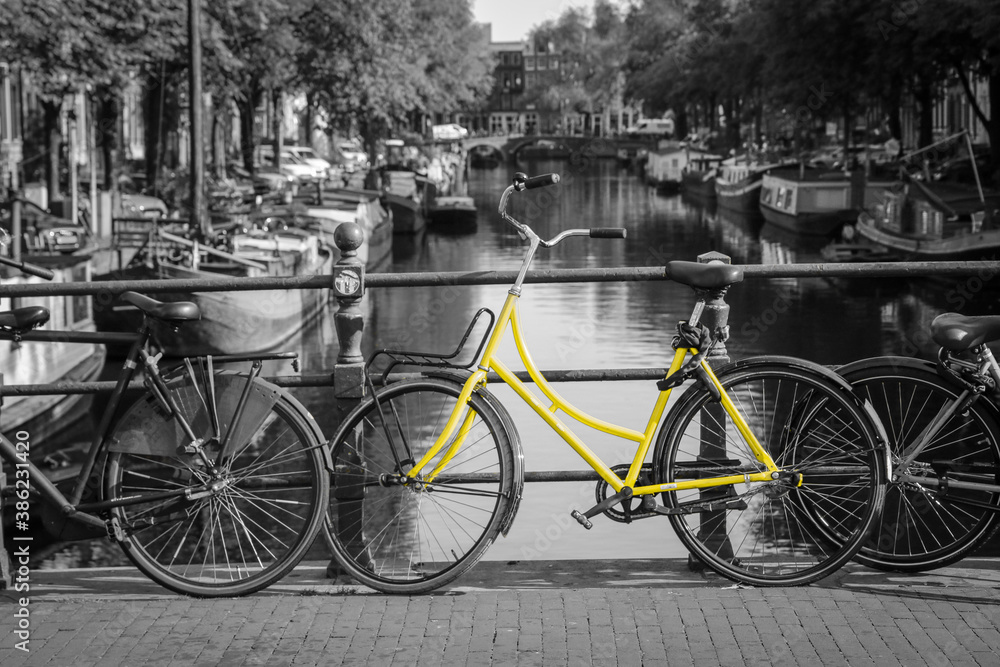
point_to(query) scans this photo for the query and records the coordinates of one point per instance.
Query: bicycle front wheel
(400, 534)
(813, 516)
(926, 525)
(227, 532)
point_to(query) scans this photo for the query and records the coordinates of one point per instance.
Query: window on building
(529, 63)
(516, 59)
(553, 62)
(530, 79)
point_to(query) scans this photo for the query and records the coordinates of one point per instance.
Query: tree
(256, 51)
(370, 63)
(591, 53)
(69, 45)
(457, 66)
(656, 65)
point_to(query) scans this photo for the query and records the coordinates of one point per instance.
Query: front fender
(517, 490)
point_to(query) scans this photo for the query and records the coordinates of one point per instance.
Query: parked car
(324, 169)
(291, 164)
(354, 156)
(266, 180)
(43, 233)
(652, 127)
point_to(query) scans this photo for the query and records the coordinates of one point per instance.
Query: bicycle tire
(404, 536)
(920, 528)
(269, 504)
(774, 533)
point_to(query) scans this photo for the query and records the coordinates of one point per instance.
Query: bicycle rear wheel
(403, 535)
(925, 526)
(231, 532)
(778, 532)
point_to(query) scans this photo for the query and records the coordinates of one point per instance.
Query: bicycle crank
(639, 507)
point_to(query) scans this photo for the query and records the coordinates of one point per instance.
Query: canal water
(621, 325)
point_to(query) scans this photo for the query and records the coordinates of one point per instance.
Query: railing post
(715, 316)
(348, 379)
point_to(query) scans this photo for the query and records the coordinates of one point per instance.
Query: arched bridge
(508, 148)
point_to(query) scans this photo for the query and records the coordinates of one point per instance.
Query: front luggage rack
(399, 358)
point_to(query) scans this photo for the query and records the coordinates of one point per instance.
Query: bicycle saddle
(704, 276)
(958, 333)
(24, 319)
(178, 311)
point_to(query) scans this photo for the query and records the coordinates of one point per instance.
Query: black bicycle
(214, 482)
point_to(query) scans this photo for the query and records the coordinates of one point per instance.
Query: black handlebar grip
(608, 233)
(541, 181)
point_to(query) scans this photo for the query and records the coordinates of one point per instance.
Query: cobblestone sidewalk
(567, 613)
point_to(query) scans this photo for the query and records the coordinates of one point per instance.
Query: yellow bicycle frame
(464, 415)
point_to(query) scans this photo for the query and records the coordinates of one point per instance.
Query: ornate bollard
(715, 316)
(348, 381)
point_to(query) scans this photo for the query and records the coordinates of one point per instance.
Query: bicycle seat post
(714, 314)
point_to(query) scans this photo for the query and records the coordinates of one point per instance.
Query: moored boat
(330, 207)
(698, 178)
(934, 221)
(816, 202)
(44, 417)
(737, 185)
(665, 167)
(234, 321)
(454, 211)
(405, 199)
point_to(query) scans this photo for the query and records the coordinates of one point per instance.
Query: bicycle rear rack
(404, 358)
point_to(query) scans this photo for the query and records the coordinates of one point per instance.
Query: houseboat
(234, 321)
(327, 208)
(405, 198)
(933, 221)
(665, 167)
(737, 184)
(816, 202)
(455, 211)
(698, 177)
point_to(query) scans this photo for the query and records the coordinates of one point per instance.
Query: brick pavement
(552, 613)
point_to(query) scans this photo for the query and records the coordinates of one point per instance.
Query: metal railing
(349, 318)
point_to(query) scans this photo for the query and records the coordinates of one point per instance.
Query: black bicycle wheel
(926, 526)
(790, 530)
(411, 535)
(229, 532)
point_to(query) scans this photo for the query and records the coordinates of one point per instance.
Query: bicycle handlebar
(524, 182)
(30, 269)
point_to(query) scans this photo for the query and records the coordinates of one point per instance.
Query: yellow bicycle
(770, 470)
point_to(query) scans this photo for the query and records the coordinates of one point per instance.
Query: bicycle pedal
(703, 506)
(581, 519)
